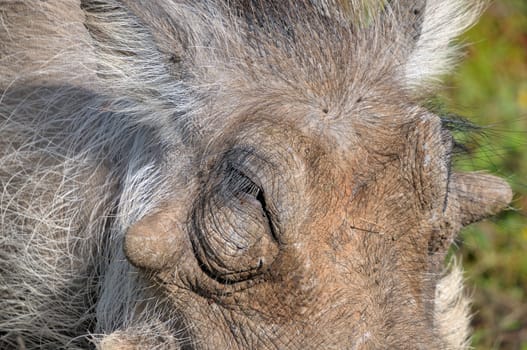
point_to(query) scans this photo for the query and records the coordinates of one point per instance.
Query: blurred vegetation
(490, 89)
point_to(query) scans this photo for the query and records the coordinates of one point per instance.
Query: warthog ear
(479, 195)
(424, 31)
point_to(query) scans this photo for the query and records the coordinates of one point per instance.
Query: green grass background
(490, 89)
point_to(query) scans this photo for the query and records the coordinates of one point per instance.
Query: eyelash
(241, 183)
(459, 128)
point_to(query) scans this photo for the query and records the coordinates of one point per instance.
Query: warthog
(238, 174)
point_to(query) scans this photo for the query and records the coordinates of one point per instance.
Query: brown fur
(231, 174)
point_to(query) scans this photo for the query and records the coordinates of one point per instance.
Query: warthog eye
(244, 185)
(234, 237)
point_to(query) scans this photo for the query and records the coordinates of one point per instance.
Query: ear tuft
(452, 308)
(434, 53)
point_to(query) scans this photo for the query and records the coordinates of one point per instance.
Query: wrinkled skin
(314, 259)
(305, 200)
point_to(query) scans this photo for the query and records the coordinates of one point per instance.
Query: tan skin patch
(337, 240)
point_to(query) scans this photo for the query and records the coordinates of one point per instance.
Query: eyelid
(249, 164)
(241, 176)
(265, 201)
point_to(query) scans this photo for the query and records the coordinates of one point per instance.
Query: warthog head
(267, 169)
